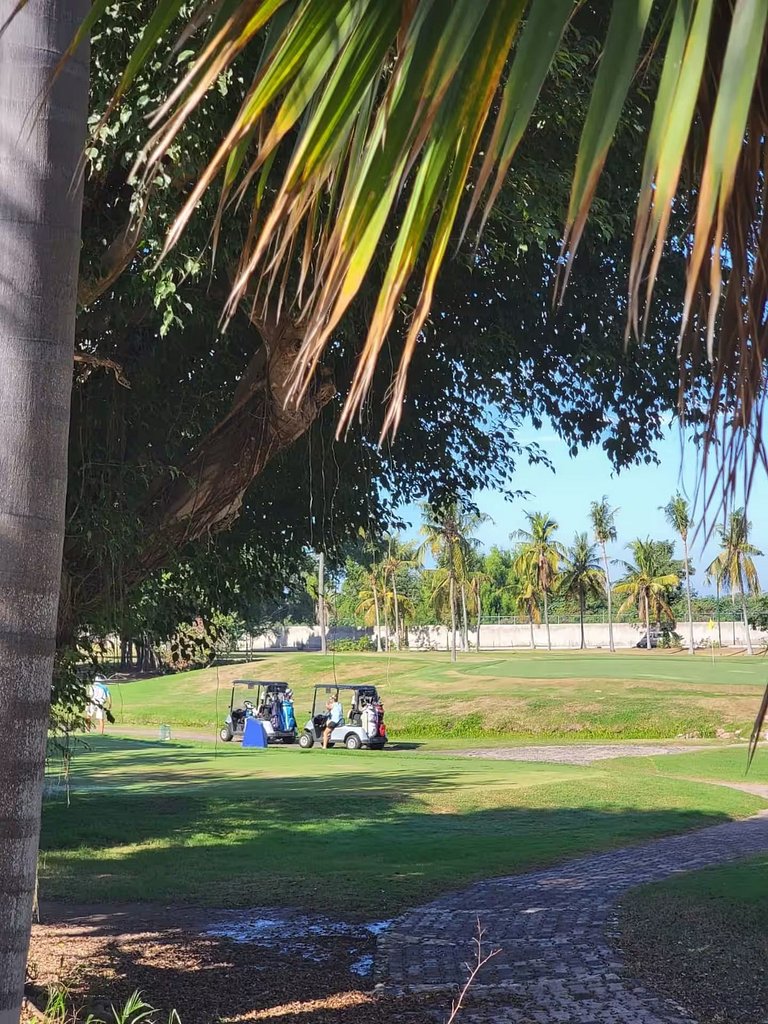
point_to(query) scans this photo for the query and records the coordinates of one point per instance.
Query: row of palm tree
(542, 569)
(545, 567)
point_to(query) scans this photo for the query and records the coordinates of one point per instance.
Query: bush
(364, 644)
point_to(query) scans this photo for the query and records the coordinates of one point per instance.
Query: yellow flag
(711, 625)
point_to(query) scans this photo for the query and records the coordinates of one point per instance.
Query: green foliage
(362, 644)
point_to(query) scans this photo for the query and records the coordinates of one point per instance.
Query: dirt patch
(186, 959)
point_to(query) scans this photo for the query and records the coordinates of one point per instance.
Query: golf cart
(272, 705)
(363, 725)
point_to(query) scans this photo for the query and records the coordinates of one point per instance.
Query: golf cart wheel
(306, 740)
(353, 742)
(225, 734)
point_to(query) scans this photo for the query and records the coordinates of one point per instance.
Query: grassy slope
(703, 940)
(386, 830)
(585, 695)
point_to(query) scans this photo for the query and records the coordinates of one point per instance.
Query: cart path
(554, 929)
(579, 753)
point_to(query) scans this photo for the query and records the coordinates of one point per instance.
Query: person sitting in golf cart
(335, 718)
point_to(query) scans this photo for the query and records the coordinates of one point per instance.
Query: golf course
(496, 767)
(575, 695)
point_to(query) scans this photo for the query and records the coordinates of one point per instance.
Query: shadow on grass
(292, 840)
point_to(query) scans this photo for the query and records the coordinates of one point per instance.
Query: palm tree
(43, 133)
(678, 516)
(539, 555)
(647, 583)
(525, 596)
(369, 605)
(604, 530)
(357, 109)
(734, 567)
(447, 530)
(399, 557)
(477, 580)
(582, 576)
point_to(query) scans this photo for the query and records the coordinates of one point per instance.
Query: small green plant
(60, 1010)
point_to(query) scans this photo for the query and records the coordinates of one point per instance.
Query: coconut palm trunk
(42, 133)
(546, 619)
(464, 619)
(377, 617)
(530, 623)
(744, 617)
(611, 644)
(647, 609)
(581, 617)
(452, 599)
(691, 646)
(397, 610)
(479, 620)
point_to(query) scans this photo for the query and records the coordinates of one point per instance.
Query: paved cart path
(557, 964)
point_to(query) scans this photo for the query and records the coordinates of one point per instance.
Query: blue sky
(638, 492)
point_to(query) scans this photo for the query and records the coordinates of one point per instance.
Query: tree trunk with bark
(42, 133)
(530, 622)
(608, 597)
(464, 618)
(546, 619)
(378, 619)
(745, 620)
(452, 599)
(581, 617)
(321, 601)
(647, 622)
(397, 611)
(479, 620)
(691, 645)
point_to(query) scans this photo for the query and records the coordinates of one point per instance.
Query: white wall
(564, 636)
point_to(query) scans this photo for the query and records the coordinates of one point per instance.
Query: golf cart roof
(253, 683)
(360, 687)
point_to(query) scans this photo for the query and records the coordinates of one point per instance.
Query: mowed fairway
(366, 833)
(577, 695)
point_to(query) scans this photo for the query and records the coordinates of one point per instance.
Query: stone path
(580, 753)
(554, 927)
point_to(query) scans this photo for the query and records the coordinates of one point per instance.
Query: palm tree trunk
(464, 620)
(546, 620)
(479, 618)
(717, 606)
(321, 601)
(386, 626)
(691, 647)
(43, 133)
(608, 596)
(745, 620)
(647, 622)
(397, 611)
(452, 599)
(581, 616)
(378, 619)
(530, 622)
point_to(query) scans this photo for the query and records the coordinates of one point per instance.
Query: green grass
(573, 695)
(373, 831)
(702, 939)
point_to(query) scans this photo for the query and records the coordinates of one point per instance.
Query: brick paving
(554, 928)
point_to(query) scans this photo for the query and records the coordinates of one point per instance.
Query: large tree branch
(206, 495)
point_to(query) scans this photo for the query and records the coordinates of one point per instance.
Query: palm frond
(404, 116)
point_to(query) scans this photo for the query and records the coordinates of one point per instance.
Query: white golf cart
(362, 726)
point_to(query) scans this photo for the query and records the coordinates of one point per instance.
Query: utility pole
(321, 600)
